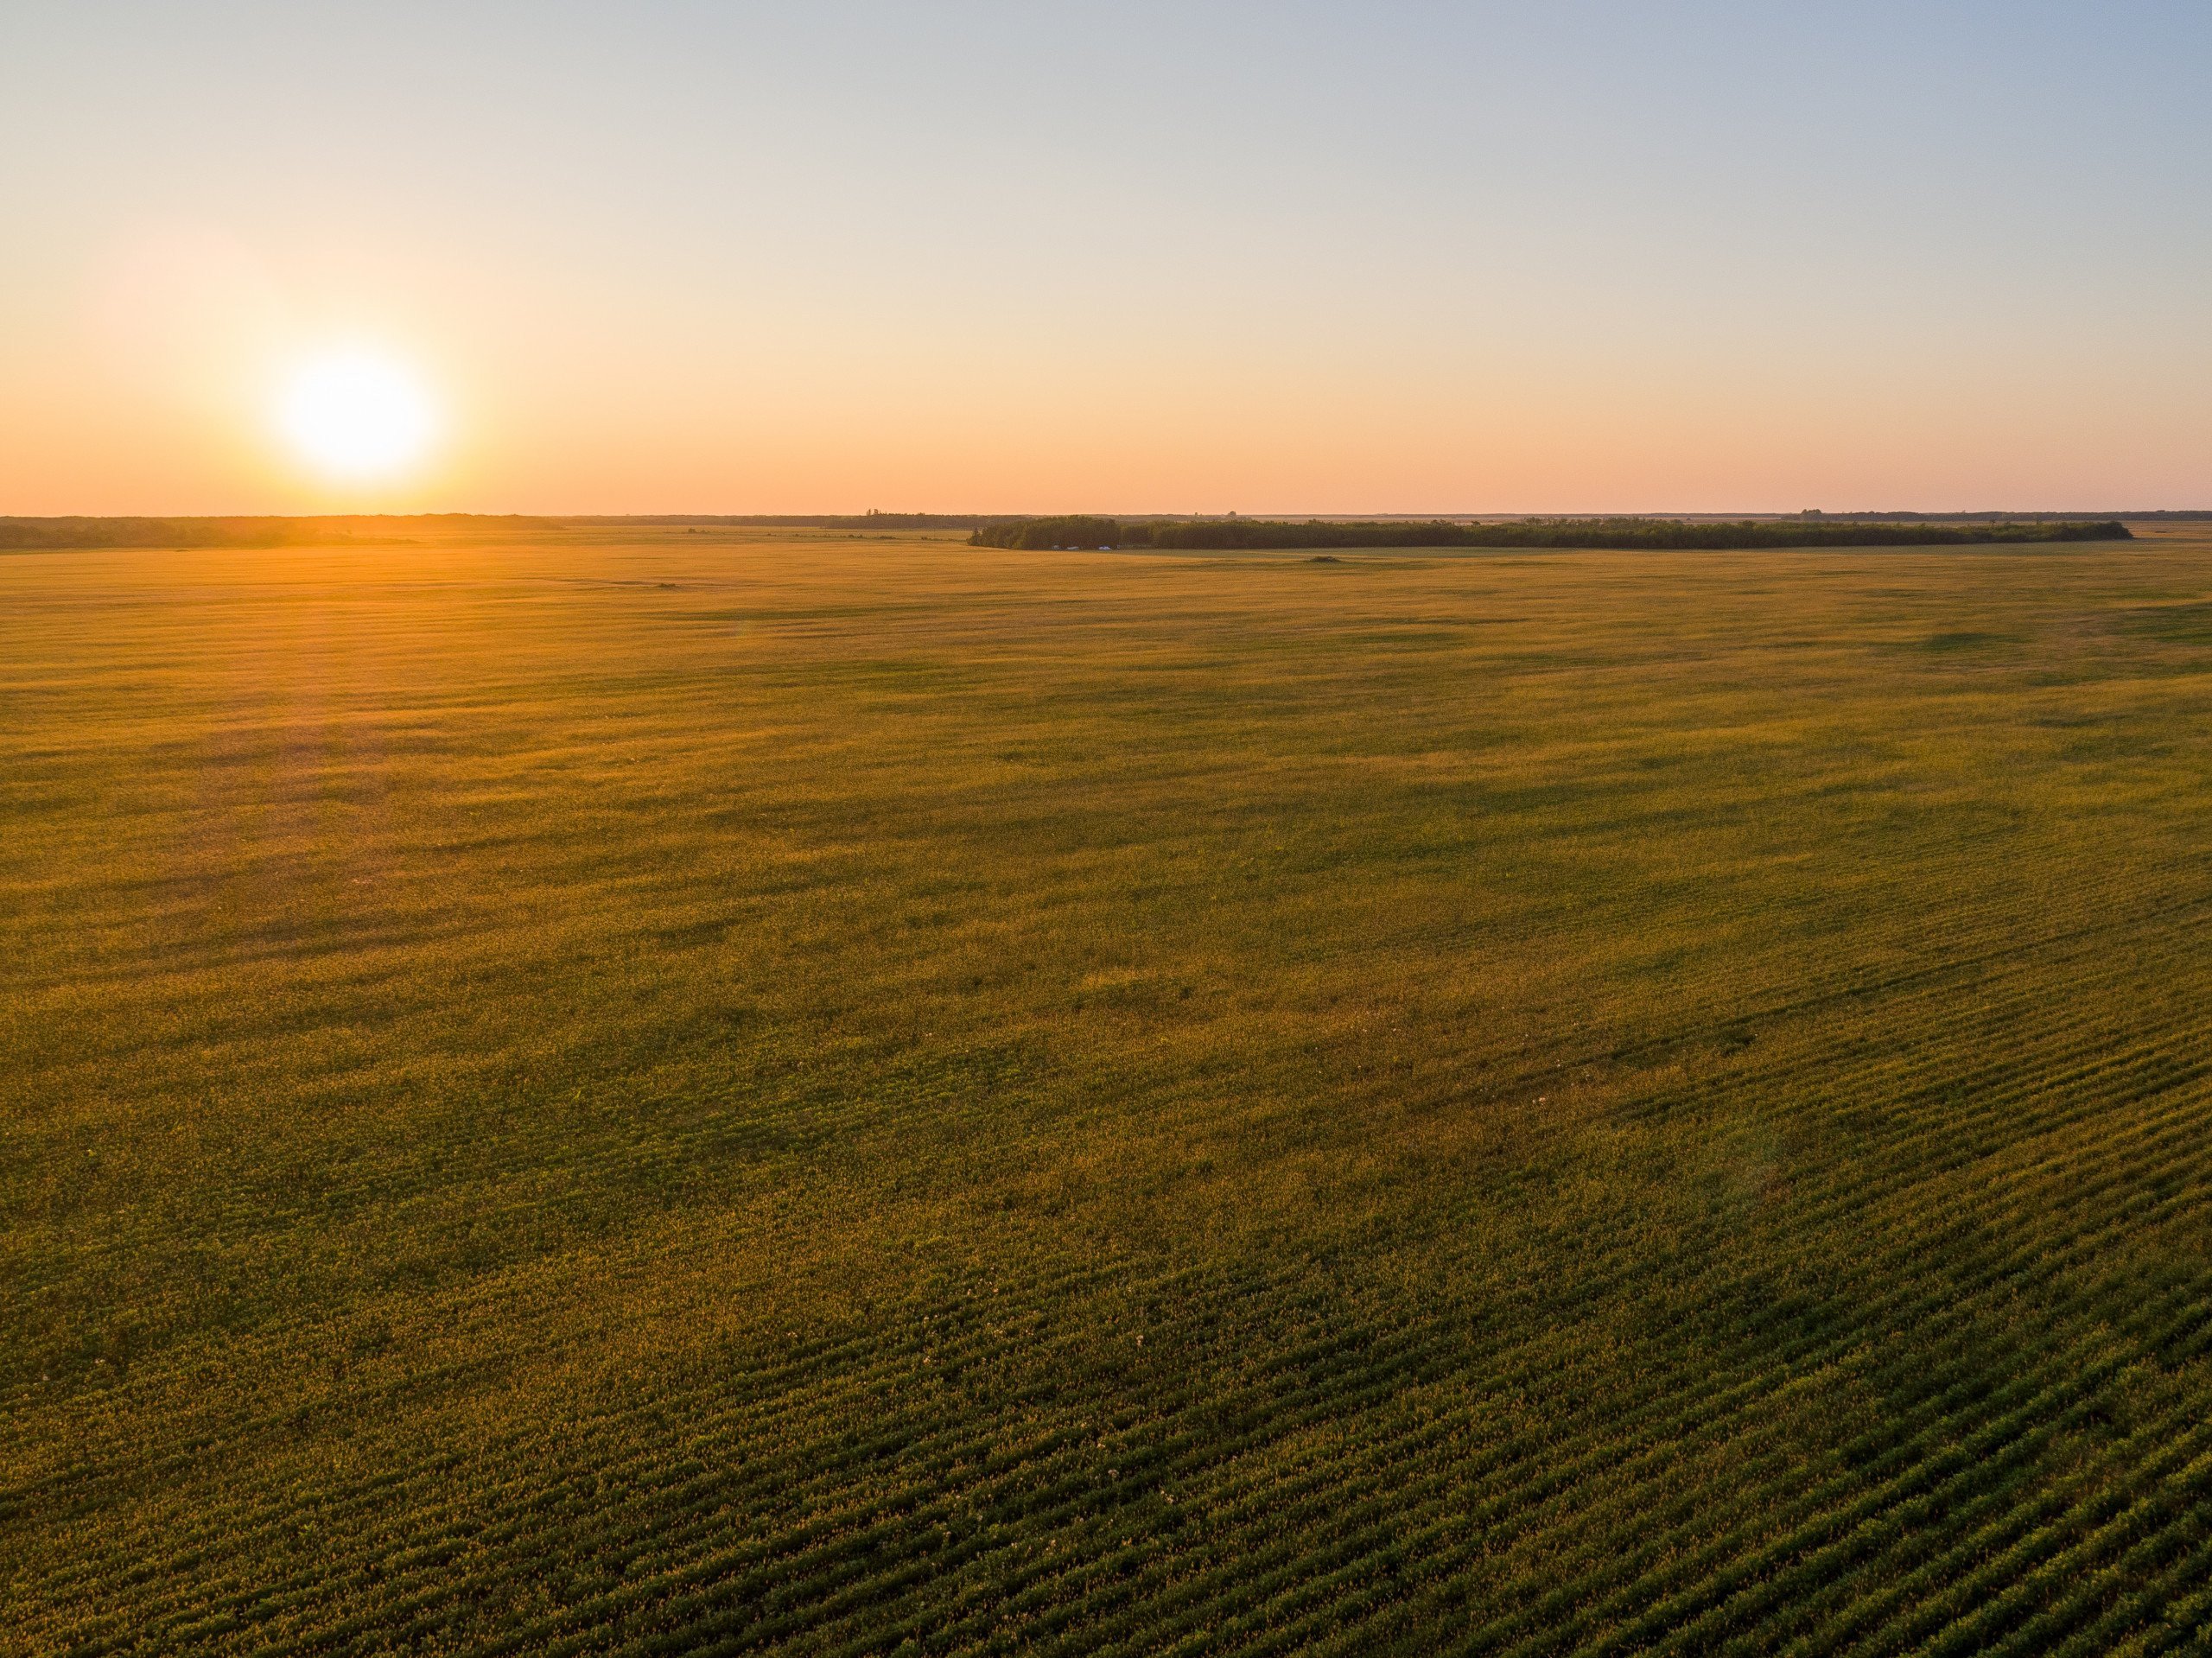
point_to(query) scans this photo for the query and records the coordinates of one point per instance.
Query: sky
(1194, 257)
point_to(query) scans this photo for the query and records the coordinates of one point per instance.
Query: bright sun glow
(356, 415)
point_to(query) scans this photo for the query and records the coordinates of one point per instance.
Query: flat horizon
(770, 515)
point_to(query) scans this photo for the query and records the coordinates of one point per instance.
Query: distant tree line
(1036, 533)
(21, 534)
(870, 520)
(29, 534)
(1659, 534)
(1835, 530)
(2164, 515)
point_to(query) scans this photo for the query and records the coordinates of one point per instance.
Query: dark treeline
(1075, 531)
(811, 520)
(1834, 530)
(23, 534)
(32, 533)
(2164, 515)
(1256, 534)
(27, 535)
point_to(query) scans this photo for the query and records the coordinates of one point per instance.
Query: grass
(637, 1091)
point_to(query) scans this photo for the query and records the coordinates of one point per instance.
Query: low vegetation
(20, 535)
(634, 1094)
(1616, 534)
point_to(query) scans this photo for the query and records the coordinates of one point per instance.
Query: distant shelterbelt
(1226, 534)
(1834, 530)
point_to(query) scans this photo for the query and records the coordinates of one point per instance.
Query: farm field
(647, 1091)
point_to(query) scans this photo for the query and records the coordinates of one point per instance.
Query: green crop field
(661, 1090)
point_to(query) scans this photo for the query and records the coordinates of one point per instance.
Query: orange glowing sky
(1289, 258)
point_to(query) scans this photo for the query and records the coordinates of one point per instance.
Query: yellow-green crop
(649, 1091)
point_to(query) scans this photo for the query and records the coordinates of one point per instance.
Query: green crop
(634, 1089)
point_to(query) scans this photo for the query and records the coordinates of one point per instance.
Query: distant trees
(1079, 530)
(29, 533)
(1071, 531)
(1658, 534)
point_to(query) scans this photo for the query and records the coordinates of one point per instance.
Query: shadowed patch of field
(621, 1091)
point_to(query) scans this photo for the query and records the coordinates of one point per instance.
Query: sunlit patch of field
(626, 1090)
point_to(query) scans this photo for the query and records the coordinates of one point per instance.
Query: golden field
(647, 1091)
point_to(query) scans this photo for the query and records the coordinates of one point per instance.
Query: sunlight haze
(976, 258)
(355, 414)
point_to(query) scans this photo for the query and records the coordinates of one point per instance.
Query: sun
(357, 414)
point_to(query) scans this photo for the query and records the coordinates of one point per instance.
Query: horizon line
(799, 519)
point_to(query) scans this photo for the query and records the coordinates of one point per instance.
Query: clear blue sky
(1280, 258)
